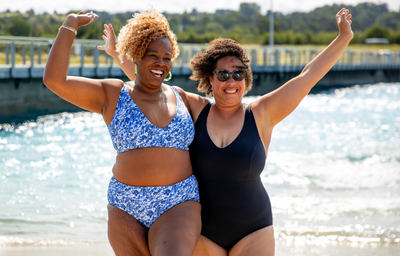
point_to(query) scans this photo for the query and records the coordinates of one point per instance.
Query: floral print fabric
(130, 128)
(146, 204)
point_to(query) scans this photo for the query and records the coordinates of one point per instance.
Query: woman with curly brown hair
(232, 138)
(153, 196)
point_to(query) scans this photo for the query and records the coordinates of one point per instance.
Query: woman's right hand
(76, 20)
(110, 41)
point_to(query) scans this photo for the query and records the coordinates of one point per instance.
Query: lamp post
(271, 28)
(271, 36)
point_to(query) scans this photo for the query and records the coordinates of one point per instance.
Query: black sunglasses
(237, 74)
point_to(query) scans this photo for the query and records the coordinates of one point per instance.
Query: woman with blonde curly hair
(232, 138)
(153, 196)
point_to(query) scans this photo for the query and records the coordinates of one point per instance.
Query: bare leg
(127, 236)
(206, 247)
(176, 232)
(258, 243)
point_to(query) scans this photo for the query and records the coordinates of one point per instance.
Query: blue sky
(175, 6)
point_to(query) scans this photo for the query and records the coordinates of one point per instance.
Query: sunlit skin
(156, 58)
(176, 231)
(231, 91)
(226, 118)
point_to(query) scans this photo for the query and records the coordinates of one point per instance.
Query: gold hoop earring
(169, 76)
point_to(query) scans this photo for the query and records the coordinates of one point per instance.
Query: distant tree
(249, 9)
(214, 27)
(390, 20)
(247, 25)
(194, 13)
(30, 13)
(94, 31)
(19, 26)
(377, 32)
(186, 20)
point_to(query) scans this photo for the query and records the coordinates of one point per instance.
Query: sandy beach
(281, 250)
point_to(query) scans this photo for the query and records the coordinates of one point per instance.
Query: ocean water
(332, 173)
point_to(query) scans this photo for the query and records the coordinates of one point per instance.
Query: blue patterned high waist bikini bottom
(146, 204)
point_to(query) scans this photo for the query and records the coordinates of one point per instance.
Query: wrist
(346, 35)
(70, 21)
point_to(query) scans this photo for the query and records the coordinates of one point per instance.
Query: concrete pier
(22, 62)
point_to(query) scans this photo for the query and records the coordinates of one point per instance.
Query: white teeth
(230, 91)
(159, 72)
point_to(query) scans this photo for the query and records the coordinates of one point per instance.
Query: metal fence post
(7, 54)
(32, 54)
(23, 54)
(277, 57)
(12, 58)
(82, 58)
(96, 60)
(39, 51)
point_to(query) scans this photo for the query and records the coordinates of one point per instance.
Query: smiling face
(231, 91)
(155, 64)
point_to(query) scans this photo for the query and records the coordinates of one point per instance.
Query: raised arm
(89, 94)
(275, 106)
(110, 42)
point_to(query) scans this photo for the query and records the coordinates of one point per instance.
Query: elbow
(48, 80)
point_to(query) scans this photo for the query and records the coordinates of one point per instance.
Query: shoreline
(281, 249)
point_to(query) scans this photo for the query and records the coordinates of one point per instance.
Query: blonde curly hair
(134, 38)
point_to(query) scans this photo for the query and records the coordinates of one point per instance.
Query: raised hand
(110, 41)
(80, 19)
(343, 21)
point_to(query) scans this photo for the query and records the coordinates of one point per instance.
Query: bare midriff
(152, 166)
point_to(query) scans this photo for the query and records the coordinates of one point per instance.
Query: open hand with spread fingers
(110, 41)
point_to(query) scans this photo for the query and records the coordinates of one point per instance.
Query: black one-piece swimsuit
(233, 199)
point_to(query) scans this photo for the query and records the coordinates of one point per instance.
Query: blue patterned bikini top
(130, 128)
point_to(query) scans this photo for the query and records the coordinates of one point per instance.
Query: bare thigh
(206, 247)
(260, 242)
(176, 231)
(127, 235)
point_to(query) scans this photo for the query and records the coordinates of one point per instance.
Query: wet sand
(281, 250)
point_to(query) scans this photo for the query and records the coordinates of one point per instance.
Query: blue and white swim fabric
(146, 204)
(130, 129)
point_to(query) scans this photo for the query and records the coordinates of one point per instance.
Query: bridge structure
(23, 59)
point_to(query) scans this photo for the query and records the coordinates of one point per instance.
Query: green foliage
(247, 25)
(19, 26)
(377, 32)
(90, 32)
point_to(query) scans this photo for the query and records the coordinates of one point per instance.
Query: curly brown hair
(205, 62)
(145, 27)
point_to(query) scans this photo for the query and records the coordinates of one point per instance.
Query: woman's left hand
(343, 22)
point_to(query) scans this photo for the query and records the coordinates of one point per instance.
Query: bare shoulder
(261, 108)
(181, 92)
(195, 102)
